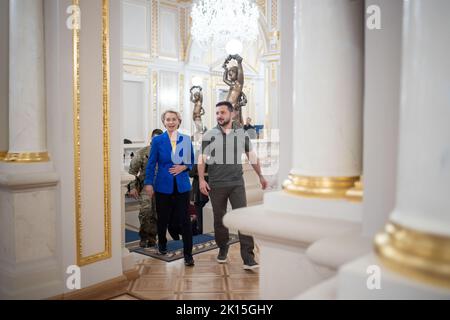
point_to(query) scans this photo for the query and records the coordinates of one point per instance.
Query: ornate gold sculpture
(234, 77)
(197, 100)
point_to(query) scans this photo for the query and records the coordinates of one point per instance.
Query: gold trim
(188, 45)
(274, 14)
(319, 187)
(356, 193)
(3, 155)
(136, 70)
(25, 157)
(76, 134)
(77, 150)
(168, 4)
(106, 111)
(273, 72)
(423, 256)
(262, 6)
(181, 93)
(154, 97)
(155, 31)
(183, 41)
(133, 54)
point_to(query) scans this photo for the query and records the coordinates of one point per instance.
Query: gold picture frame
(84, 260)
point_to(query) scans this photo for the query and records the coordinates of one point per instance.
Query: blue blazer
(161, 154)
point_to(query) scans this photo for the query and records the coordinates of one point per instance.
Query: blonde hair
(163, 115)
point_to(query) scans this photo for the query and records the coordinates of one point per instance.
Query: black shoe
(251, 265)
(189, 261)
(222, 256)
(162, 249)
(176, 237)
(151, 243)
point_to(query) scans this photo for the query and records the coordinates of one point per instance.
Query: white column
(30, 266)
(326, 111)
(418, 238)
(286, 89)
(328, 97)
(27, 118)
(381, 114)
(4, 77)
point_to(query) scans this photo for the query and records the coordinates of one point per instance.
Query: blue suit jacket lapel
(167, 144)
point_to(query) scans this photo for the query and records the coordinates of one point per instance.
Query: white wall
(143, 20)
(168, 32)
(60, 134)
(381, 108)
(137, 27)
(4, 75)
(136, 115)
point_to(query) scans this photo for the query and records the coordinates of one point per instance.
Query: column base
(330, 209)
(30, 263)
(283, 239)
(27, 157)
(326, 290)
(2, 155)
(299, 272)
(356, 193)
(30, 280)
(420, 255)
(354, 277)
(319, 187)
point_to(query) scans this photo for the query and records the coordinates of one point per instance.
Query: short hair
(225, 103)
(156, 132)
(163, 116)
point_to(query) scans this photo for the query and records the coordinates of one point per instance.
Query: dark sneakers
(162, 249)
(251, 265)
(189, 261)
(222, 256)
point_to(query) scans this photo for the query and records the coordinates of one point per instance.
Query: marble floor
(207, 280)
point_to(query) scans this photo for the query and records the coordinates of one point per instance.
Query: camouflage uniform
(147, 211)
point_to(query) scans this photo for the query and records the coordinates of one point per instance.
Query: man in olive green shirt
(222, 149)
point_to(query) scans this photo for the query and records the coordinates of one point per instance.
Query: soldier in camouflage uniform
(147, 211)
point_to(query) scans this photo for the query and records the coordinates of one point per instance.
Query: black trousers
(200, 200)
(199, 210)
(173, 208)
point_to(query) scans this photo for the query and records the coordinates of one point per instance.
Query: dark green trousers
(219, 198)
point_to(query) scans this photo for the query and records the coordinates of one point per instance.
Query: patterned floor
(207, 280)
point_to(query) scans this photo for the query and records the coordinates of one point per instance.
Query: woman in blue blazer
(173, 153)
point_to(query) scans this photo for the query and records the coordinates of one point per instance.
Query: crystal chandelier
(215, 22)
